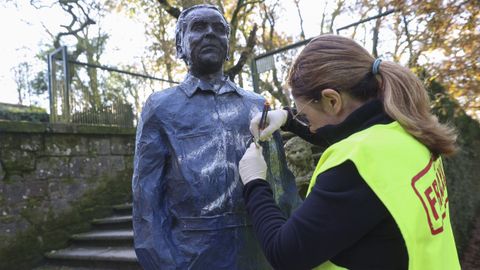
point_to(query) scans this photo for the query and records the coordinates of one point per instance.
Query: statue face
(205, 41)
(298, 153)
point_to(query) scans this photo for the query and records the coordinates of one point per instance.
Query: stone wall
(54, 178)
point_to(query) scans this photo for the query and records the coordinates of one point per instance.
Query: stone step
(108, 246)
(123, 209)
(104, 238)
(61, 267)
(113, 223)
(94, 257)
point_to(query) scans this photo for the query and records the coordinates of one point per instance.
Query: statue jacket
(188, 208)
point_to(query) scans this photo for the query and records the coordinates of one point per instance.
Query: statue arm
(150, 216)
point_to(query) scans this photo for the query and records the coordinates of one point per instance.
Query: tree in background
(123, 89)
(438, 36)
(254, 30)
(22, 79)
(84, 41)
(415, 34)
(160, 18)
(29, 85)
(451, 29)
(244, 17)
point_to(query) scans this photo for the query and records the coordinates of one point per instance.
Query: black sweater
(341, 220)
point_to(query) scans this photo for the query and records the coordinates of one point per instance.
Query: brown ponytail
(406, 100)
(336, 62)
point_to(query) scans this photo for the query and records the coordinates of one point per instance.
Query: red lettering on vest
(430, 187)
(438, 190)
(432, 201)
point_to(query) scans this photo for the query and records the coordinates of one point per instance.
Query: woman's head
(334, 62)
(336, 74)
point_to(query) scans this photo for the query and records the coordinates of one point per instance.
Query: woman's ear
(332, 101)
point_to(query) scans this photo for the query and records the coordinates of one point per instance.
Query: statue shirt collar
(191, 84)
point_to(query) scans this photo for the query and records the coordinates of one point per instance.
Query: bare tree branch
(174, 11)
(376, 30)
(409, 41)
(234, 27)
(33, 3)
(336, 12)
(251, 42)
(302, 32)
(322, 23)
(48, 31)
(220, 6)
(66, 6)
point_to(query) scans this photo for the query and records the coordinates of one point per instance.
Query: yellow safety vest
(411, 185)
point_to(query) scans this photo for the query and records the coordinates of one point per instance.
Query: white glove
(275, 120)
(252, 165)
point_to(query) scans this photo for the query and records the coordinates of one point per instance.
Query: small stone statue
(300, 161)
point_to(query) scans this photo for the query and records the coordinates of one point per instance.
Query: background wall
(54, 179)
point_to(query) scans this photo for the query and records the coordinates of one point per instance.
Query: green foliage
(449, 111)
(442, 37)
(22, 113)
(29, 85)
(462, 169)
(39, 83)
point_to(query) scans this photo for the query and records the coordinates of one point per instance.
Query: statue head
(201, 38)
(298, 151)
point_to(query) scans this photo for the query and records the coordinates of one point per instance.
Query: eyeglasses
(301, 118)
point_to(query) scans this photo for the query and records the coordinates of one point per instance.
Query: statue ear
(180, 53)
(178, 45)
(227, 57)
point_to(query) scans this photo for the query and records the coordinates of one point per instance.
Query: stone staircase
(109, 245)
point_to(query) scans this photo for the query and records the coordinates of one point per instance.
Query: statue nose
(209, 31)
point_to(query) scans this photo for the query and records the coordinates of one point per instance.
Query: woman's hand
(252, 166)
(275, 120)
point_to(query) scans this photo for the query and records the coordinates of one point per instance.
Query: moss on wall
(54, 179)
(52, 232)
(22, 113)
(31, 127)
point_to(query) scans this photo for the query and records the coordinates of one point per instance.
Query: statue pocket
(202, 153)
(212, 223)
(210, 238)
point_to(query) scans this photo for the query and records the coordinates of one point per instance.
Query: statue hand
(275, 120)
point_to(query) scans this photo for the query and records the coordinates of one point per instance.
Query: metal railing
(91, 94)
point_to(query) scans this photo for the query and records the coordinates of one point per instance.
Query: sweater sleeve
(339, 211)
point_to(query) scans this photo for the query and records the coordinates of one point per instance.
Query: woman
(377, 198)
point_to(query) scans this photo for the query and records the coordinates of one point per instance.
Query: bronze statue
(188, 209)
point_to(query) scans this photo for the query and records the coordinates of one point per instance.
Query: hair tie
(376, 66)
